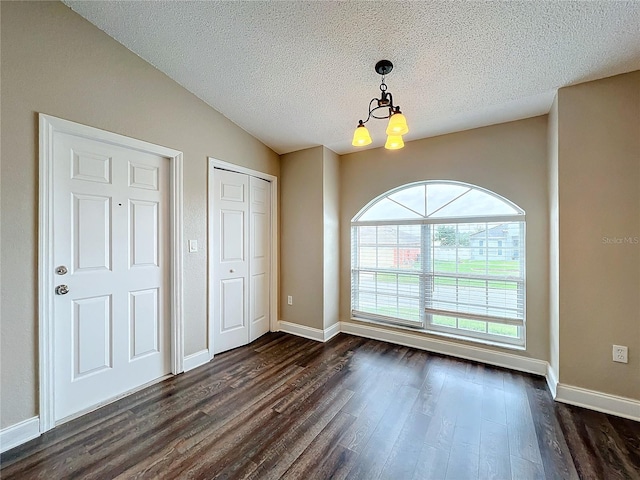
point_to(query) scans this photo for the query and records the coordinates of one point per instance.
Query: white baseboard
(408, 339)
(196, 359)
(332, 331)
(552, 381)
(19, 433)
(310, 332)
(302, 331)
(598, 401)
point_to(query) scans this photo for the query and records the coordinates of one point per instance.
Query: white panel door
(259, 256)
(230, 260)
(111, 234)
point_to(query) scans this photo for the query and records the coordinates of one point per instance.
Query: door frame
(273, 281)
(46, 338)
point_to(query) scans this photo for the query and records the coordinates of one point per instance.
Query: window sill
(507, 346)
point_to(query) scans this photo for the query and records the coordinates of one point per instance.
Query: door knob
(62, 290)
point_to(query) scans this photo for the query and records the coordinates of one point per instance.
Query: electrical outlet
(620, 354)
(290, 300)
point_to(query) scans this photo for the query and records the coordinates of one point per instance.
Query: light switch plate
(193, 246)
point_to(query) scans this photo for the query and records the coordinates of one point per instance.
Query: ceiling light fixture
(397, 123)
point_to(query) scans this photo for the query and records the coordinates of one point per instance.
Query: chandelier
(383, 108)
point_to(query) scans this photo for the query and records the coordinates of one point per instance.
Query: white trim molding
(273, 308)
(331, 331)
(301, 331)
(410, 339)
(50, 125)
(19, 433)
(196, 360)
(477, 354)
(309, 332)
(552, 380)
(598, 401)
(177, 270)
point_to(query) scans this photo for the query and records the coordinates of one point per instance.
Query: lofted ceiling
(299, 74)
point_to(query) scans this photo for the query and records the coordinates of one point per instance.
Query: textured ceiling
(300, 74)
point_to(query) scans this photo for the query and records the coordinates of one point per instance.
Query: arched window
(441, 256)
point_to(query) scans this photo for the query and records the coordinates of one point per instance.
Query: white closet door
(241, 258)
(110, 244)
(259, 256)
(231, 265)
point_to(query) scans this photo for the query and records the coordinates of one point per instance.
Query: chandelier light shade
(383, 108)
(361, 136)
(394, 142)
(397, 124)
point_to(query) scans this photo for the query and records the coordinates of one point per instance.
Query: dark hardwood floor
(286, 407)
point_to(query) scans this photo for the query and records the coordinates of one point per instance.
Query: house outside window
(516, 248)
(429, 256)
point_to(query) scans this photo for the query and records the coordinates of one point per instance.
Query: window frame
(427, 315)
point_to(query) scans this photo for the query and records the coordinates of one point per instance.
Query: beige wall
(309, 240)
(301, 237)
(331, 236)
(55, 62)
(554, 242)
(599, 199)
(509, 159)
